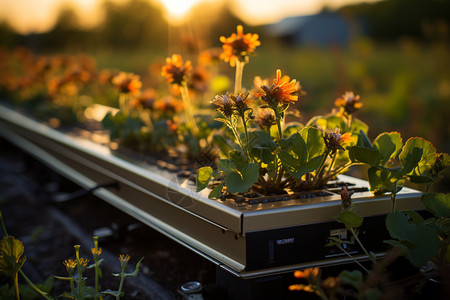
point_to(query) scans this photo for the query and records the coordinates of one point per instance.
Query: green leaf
(238, 159)
(262, 146)
(226, 165)
(384, 181)
(352, 278)
(315, 144)
(421, 241)
(298, 168)
(203, 177)
(388, 145)
(113, 293)
(349, 219)
(358, 126)
(11, 251)
(417, 157)
(292, 128)
(372, 294)
(363, 155)
(239, 182)
(437, 203)
(364, 141)
(136, 270)
(216, 191)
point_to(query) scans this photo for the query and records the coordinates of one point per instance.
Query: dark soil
(49, 231)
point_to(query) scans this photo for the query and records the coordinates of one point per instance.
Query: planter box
(248, 240)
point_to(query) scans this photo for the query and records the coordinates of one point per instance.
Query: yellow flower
(175, 71)
(238, 46)
(348, 103)
(83, 262)
(70, 265)
(96, 251)
(128, 83)
(124, 260)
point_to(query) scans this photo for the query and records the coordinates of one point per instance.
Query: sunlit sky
(39, 15)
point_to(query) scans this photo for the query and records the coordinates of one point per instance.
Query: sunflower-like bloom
(348, 103)
(238, 46)
(225, 105)
(128, 83)
(281, 92)
(168, 105)
(334, 140)
(175, 70)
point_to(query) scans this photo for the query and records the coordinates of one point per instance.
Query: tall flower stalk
(278, 97)
(232, 109)
(176, 73)
(128, 84)
(236, 51)
(96, 251)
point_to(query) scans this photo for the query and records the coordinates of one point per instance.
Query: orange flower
(280, 92)
(127, 82)
(175, 71)
(334, 140)
(348, 103)
(168, 105)
(238, 46)
(311, 272)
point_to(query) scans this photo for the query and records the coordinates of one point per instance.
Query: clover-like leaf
(216, 191)
(11, 259)
(363, 155)
(349, 219)
(420, 241)
(437, 203)
(203, 177)
(239, 182)
(417, 157)
(262, 146)
(384, 181)
(389, 145)
(315, 144)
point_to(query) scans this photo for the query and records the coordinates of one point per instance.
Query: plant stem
(123, 103)
(349, 255)
(349, 122)
(362, 246)
(43, 294)
(238, 77)
(16, 286)
(122, 279)
(393, 196)
(96, 281)
(188, 109)
(333, 160)
(319, 170)
(3, 224)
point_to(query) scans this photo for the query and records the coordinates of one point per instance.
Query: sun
(178, 8)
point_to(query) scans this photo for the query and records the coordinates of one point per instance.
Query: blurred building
(323, 29)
